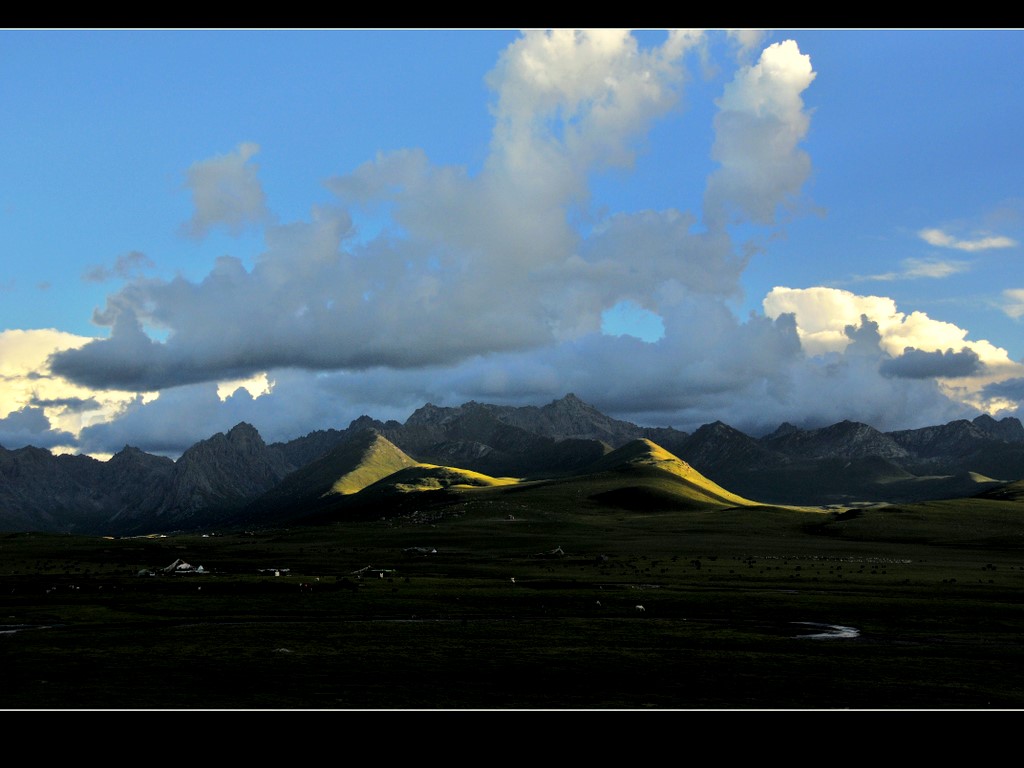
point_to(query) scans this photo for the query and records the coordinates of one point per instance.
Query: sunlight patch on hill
(380, 460)
(645, 453)
(432, 477)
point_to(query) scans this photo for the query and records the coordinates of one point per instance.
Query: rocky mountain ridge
(218, 478)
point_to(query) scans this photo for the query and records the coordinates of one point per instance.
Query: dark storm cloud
(71, 404)
(1010, 389)
(29, 426)
(918, 364)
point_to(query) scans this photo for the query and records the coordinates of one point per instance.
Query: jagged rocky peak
(865, 431)
(1008, 429)
(572, 417)
(850, 439)
(714, 441)
(429, 415)
(718, 425)
(364, 422)
(243, 430)
(784, 429)
(848, 430)
(127, 452)
(985, 421)
(573, 404)
(944, 438)
(132, 456)
(848, 425)
(717, 428)
(241, 439)
(245, 436)
(570, 399)
(854, 439)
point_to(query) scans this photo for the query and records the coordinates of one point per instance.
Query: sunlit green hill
(643, 472)
(431, 477)
(347, 469)
(370, 478)
(406, 490)
(640, 476)
(369, 461)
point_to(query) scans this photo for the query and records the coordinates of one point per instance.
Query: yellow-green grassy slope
(432, 477)
(644, 459)
(342, 472)
(370, 461)
(640, 476)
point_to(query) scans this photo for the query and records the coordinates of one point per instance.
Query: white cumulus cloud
(920, 268)
(941, 239)
(822, 314)
(759, 127)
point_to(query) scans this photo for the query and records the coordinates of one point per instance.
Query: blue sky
(756, 227)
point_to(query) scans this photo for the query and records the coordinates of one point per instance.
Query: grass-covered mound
(370, 461)
(669, 479)
(431, 477)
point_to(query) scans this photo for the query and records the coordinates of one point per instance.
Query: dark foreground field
(916, 607)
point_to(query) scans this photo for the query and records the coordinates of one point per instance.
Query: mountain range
(236, 479)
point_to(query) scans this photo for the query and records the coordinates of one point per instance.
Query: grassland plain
(512, 597)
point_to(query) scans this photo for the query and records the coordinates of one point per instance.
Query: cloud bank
(485, 286)
(498, 248)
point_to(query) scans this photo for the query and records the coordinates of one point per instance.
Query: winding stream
(828, 631)
(10, 629)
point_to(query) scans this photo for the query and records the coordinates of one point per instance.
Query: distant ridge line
(235, 473)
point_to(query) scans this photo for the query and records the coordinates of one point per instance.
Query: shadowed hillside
(643, 458)
(360, 461)
(235, 479)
